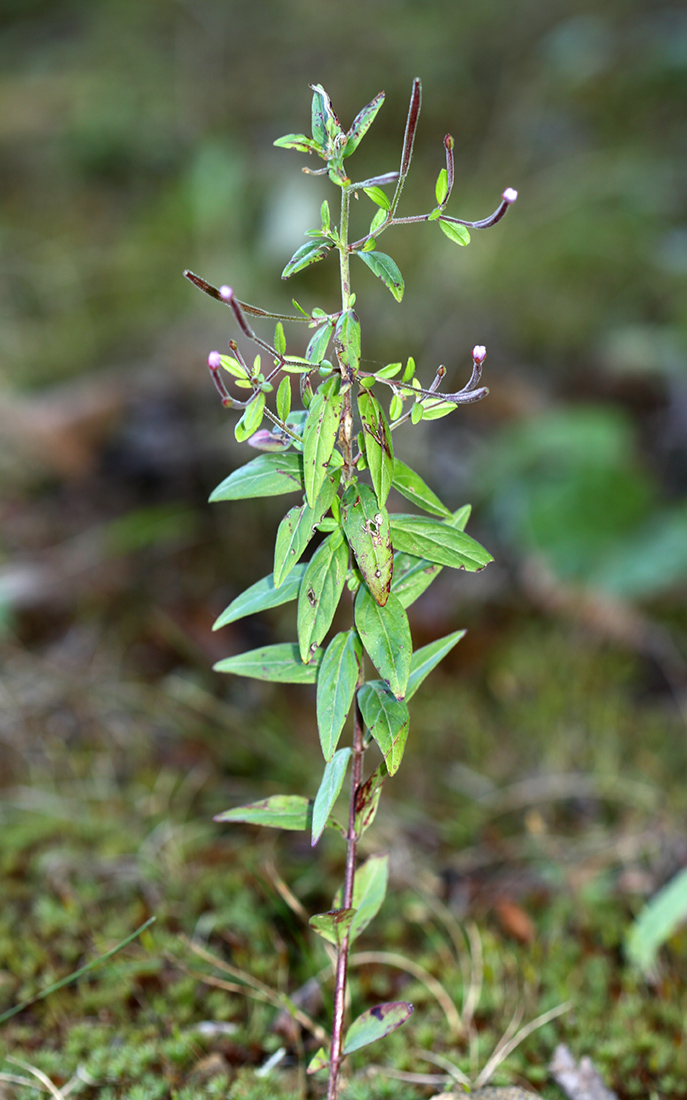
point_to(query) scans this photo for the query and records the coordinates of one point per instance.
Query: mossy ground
(106, 820)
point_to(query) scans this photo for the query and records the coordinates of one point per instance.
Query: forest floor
(543, 801)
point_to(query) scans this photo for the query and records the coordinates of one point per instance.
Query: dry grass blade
(285, 892)
(37, 1073)
(504, 1049)
(14, 1079)
(390, 958)
(444, 1063)
(251, 987)
(430, 1079)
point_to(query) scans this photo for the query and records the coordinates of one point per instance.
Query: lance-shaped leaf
(375, 1024)
(279, 663)
(347, 343)
(319, 436)
(298, 527)
(336, 682)
(332, 926)
(369, 892)
(411, 486)
(321, 591)
(385, 269)
(309, 253)
(387, 719)
(366, 526)
(379, 449)
(261, 596)
(361, 124)
(427, 657)
(319, 1061)
(281, 811)
(385, 633)
(367, 799)
(329, 790)
(456, 233)
(658, 920)
(324, 122)
(319, 341)
(438, 542)
(413, 575)
(301, 142)
(268, 475)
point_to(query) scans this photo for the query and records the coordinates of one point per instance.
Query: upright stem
(336, 1052)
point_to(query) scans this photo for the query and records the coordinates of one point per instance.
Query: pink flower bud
(509, 195)
(479, 353)
(226, 292)
(214, 360)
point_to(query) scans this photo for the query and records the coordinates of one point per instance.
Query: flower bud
(214, 360)
(509, 195)
(479, 353)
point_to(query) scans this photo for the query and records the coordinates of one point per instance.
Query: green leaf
(416, 413)
(268, 475)
(319, 436)
(301, 142)
(261, 596)
(379, 448)
(319, 118)
(376, 1023)
(319, 1061)
(320, 592)
(296, 364)
(378, 197)
(376, 224)
(366, 525)
(281, 811)
(332, 926)
(336, 682)
(298, 527)
(441, 188)
(434, 410)
(387, 719)
(325, 217)
(232, 365)
(396, 407)
(385, 269)
(456, 233)
(367, 799)
(279, 338)
(329, 790)
(411, 485)
(427, 657)
(361, 124)
(251, 419)
(412, 575)
(385, 633)
(347, 343)
(389, 371)
(410, 370)
(657, 922)
(278, 663)
(369, 892)
(309, 253)
(284, 399)
(438, 542)
(319, 342)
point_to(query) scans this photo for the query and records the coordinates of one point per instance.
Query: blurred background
(136, 140)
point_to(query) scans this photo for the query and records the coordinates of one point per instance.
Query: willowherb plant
(337, 454)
